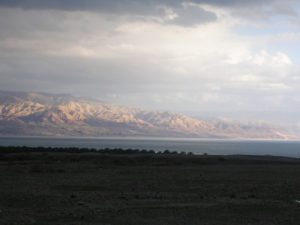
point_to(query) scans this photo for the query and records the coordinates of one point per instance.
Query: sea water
(197, 146)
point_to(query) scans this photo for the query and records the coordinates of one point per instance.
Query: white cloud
(143, 62)
(279, 59)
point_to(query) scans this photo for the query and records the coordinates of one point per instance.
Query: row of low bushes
(22, 149)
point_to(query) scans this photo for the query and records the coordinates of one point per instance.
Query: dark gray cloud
(115, 6)
(194, 15)
(186, 17)
(118, 5)
(233, 2)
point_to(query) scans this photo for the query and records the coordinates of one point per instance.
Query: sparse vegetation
(54, 186)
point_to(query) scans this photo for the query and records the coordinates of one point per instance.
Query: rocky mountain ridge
(43, 114)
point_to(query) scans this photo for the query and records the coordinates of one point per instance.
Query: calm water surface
(200, 146)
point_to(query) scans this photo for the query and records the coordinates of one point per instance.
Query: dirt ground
(65, 188)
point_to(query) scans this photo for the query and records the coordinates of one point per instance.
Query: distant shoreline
(141, 152)
(152, 138)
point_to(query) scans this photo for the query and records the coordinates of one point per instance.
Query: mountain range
(44, 114)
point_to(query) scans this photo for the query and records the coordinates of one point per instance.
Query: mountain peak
(35, 113)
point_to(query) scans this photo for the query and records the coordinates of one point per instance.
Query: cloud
(121, 5)
(156, 54)
(186, 14)
(190, 15)
(154, 8)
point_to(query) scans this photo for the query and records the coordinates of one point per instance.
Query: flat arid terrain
(73, 187)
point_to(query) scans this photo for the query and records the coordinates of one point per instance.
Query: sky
(186, 56)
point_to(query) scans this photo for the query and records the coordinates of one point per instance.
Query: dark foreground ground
(65, 188)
